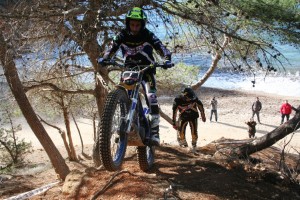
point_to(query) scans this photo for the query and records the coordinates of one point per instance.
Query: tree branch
(57, 89)
(213, 65)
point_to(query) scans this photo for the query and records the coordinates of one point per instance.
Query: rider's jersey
(188, 110)
(138, 47)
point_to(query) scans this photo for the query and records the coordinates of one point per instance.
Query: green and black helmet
(136, 13)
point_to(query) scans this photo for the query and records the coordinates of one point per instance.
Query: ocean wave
(285, 84)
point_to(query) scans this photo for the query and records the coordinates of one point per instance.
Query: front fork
(132, 110)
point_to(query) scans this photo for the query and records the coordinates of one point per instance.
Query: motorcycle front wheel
(112, 140)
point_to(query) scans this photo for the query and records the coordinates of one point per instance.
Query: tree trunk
(100, 94)
(213, 65)
(69, 134)
(64, 138)
(269, 139)
(93, 50)
(10, 71)
(79, 133)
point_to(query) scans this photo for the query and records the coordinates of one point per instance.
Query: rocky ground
(177, 174)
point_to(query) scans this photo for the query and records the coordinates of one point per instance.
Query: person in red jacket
(285, 111)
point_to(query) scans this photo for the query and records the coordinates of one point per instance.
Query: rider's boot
(193, 150)
(182, 143)
(154, 121)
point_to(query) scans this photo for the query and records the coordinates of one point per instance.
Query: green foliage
(270, 10)
(254, 28)
(270, 17)
(172, 80)
(12, 149)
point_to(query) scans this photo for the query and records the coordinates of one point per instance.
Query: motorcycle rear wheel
(145, 157)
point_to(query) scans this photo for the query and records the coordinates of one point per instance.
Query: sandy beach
(234, 109)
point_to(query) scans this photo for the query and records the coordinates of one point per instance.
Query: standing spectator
(285, 111)
(256, 107)
(251, 127)
(214, 107)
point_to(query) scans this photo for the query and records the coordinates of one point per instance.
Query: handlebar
(134, 63)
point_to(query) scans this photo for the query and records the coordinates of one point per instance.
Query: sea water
(285, 81)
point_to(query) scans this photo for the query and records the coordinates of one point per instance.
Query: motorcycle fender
(125, 86)
(120, 87)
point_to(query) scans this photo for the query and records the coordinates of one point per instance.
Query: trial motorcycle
(125, 121)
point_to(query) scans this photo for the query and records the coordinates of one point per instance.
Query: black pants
(285, 115)
(216, 114)
(149, 86)
(257, 114)
(181, 131)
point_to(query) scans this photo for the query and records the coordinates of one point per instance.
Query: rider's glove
(174, 125)
(167, 64)
(203, 117)
(102, 61)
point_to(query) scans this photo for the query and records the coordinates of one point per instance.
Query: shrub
(12, 149)
(173, 80)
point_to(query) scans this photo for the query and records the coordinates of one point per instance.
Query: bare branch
(214, 64)
(57, 89)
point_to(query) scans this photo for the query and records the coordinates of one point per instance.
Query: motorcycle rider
(137, 43)
(188, 105)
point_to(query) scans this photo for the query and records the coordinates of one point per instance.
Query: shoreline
(232, 91)
(254, 93)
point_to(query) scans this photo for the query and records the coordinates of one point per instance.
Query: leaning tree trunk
(214, 64)
(10, 71)
(269, 139)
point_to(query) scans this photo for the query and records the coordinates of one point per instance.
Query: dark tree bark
(10, 71)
